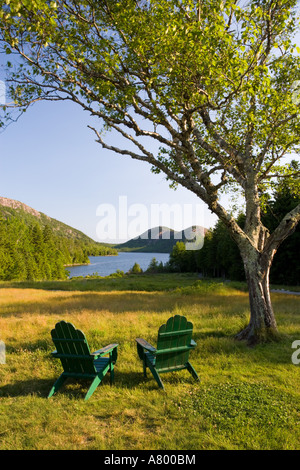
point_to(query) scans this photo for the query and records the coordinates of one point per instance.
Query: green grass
(248, 398)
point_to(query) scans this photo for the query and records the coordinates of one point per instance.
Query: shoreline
(76, 264)
(87, 264)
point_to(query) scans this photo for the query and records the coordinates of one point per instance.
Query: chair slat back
(72, 349)
(173, 340)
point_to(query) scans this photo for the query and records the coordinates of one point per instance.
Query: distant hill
(160, 239)
(12, 208)
(36, 246)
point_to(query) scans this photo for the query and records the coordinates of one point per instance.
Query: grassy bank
(247, 398)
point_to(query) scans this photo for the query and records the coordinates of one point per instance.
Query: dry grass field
(248, 398)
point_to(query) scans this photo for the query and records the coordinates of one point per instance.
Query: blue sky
(50, 161)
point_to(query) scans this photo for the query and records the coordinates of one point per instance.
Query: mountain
(161, 239)
(12, 208)
(36, 246)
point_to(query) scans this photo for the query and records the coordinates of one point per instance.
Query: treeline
(33, 252)
(220, 257)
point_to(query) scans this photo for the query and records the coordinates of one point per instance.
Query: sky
(49, 160)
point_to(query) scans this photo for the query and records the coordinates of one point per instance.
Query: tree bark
(262, 325)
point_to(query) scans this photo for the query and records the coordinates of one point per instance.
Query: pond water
(105, 265)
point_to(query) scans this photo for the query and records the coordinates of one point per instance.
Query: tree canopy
(213, 83)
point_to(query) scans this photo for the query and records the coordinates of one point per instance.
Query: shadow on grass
(213, 342)
(19, 388)
(74, 389)
(219, 344)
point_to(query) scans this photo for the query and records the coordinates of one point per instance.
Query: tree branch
(221, 159)
(286, 227)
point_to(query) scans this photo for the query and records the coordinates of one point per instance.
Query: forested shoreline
(31, 251)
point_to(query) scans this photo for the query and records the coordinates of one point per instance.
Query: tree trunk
(262, 325)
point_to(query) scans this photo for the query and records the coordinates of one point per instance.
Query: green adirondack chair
(174, 344)
(78, 362)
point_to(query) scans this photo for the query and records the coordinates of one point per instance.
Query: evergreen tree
(286, 267)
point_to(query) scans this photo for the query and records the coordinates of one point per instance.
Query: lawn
(248, 398)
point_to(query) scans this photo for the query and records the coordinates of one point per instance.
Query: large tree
(212, 83)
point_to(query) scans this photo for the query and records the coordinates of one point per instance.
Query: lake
(105, 265)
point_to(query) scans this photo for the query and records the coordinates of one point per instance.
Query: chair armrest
(105, 350)
(145, 345)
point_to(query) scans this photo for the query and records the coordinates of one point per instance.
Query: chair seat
(101, 363)
(152, 359)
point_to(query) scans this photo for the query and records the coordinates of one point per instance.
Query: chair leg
(57, 385)
(144, 367)
(156, 376)
(93, 386)
(192, 371)
(112, 374)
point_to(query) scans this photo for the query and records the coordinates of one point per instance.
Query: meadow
(247, 398)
